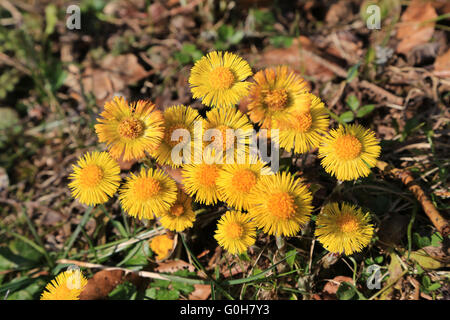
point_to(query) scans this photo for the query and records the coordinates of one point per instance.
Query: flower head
(175, 118)
(180, 216)
(95, 178)
(161, 245)
(217, 79)
(236, 181)
(130, 129)
(148, 194)
(280, 205)
(274, 93)
(200, 179)
(349, 152)
(66, 286)
(234, 128)
(304, 128)
(343, 229)
(235, 232)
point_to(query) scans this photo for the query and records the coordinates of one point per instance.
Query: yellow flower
(344, 229)
(236, 181)
(66, 286)
(280, 205)
(148, 194)
(304, 129)
(235, 232)
(235, 130)
(200, 179)
(130, 129)
(95, 178)
(161, 245)
(180, 216)
(217, 79)
(176, 117)
(349, 152)
(275, 92)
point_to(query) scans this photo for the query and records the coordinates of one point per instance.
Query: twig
(406, 177)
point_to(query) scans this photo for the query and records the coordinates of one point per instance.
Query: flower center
(168, 135)
(234, 230)
(177, 210)
(303, 121)
(207, 175)
(131, 128)
(282, 205)
(243, 180)
(276, 99)
(348, 223)
(91, 175)
(145, 188)
(227, 141)
(221, 78)
(348, 147)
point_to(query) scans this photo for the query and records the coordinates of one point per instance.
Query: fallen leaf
(296, 59)
(431, 258)
(171, 266)
(101, 284)
(442, 65)
(104, 281)
(412, 30)
(201, 292)
(332, 286)
(113, 74)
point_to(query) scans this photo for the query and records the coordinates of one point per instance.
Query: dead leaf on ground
(294, 57)
(332, 286)
(113, 74)
(201, 292)
(431, 258)
(104, 281)
(171, 266)
(413, 31)
(442, 65)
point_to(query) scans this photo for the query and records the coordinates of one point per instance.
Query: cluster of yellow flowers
(279, 204)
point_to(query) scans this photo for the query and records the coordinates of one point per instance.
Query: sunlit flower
(343, 229)
(66, 286)
(235, 131)
(161, 245)
(176, 117)
(217, 79)
(236, 181)
(275, 93)
(180, 216)
(235, 232)
(200, 179)
(130, 129)
(280, 204)
(349, 152)
(304, 129)
(95, 178)
(148, 194)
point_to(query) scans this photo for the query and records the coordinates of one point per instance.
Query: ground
(394, 79)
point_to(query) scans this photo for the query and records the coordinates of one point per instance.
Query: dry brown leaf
(171, 266)
(113, 74)
(442, 65)
(412, 30)
(201, 292)
(101, 284)
(332, 286)
(294, 58)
